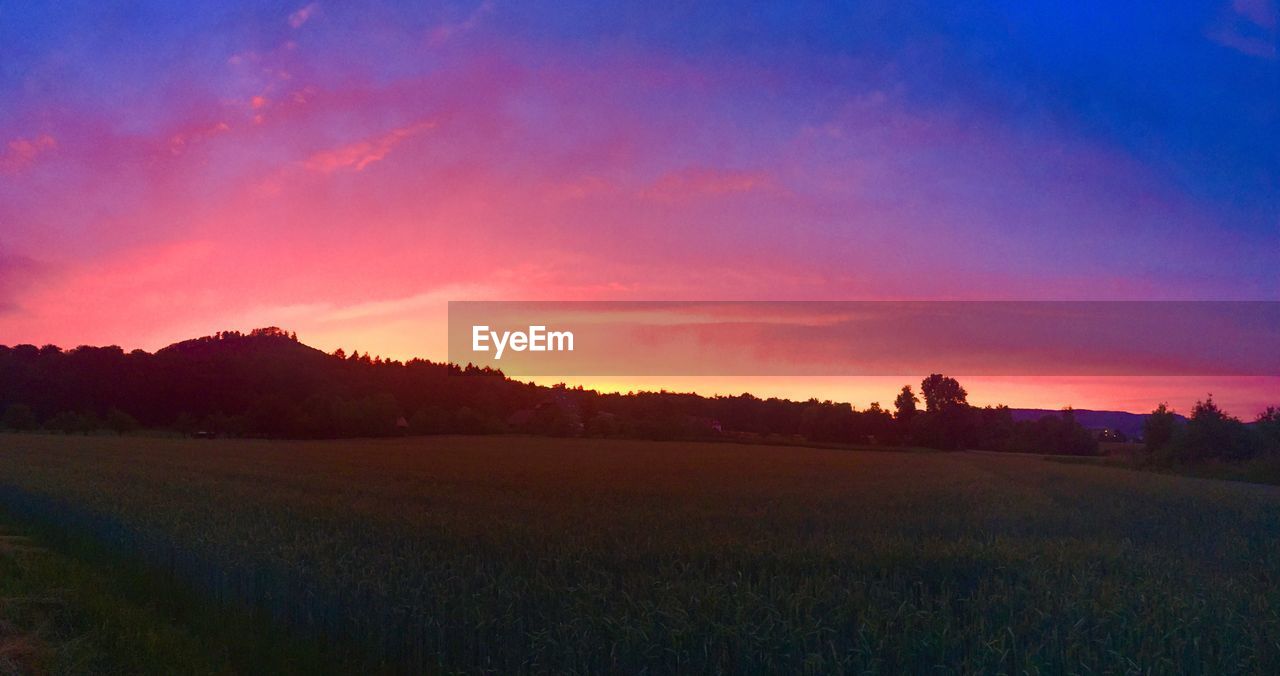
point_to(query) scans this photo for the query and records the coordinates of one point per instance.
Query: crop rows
(511, 554)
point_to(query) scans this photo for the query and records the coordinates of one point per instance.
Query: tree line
(1209, 434)
(267, 384)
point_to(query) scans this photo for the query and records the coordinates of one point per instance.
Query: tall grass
(510, 554)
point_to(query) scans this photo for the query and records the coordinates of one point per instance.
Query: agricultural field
(62, 616)
(518, 554)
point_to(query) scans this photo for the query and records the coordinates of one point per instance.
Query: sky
(169, 170)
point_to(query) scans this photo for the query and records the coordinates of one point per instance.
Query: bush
(120, 422)
(68, 422)
(19, 417)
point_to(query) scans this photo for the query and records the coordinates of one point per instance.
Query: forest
(266, 383)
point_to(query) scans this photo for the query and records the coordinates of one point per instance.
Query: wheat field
(520, 554)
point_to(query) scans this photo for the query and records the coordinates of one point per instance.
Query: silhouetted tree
(876, 425)
(1058, 434)
(827, 421)
(119, 421)
(996, 430)
(1211, 433)
(1158, 429)
(905, 404)
(948, 422)
(1268, 426)
(941, 393)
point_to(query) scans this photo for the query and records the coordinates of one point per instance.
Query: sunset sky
(175, 169)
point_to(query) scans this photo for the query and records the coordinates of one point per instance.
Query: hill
(1122, 421)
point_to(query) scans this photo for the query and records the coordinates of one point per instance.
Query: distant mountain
(1122, 421)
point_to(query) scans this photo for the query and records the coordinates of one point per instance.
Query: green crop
(513, 554)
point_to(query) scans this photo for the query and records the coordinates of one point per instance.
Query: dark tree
(1268, 426)
(119, 421)
(1211, 433)
(997, 431)
(942, 393)
(905, 405)
(1159, 428)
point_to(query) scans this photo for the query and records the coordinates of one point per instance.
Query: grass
(1263, 470)
(1258, 470)
(94, 612)
(59, 615)
(512, 554)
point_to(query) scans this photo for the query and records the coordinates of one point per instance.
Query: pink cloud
(1231, 38)
(302, 15)
(17, 273)
(442, 33)
(693, 183)
(22, 152)
(361, 154)
(1260, 12)
(181, 140)
(1250, 29)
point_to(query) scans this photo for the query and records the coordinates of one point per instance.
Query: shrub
(18, 417)
(120, 422)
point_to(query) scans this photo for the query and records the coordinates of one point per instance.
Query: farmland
(509, 554)
(64, 616)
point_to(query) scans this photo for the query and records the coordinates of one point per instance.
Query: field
(63, 616)
(511, 554)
